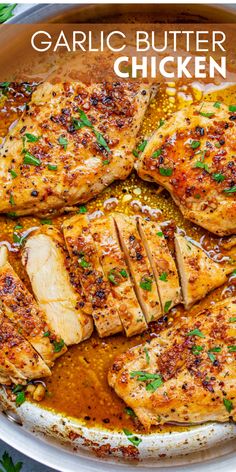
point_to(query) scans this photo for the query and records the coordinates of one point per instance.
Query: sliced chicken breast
(193, 156)
(116, 272)
(19, 362)
(199, 274)
(97, 290)
(46, 261)
(72, 141)
(21, 308)
(162, 262)
(188, 375)
(139, 266)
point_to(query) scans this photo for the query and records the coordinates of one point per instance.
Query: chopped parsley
(202, 165)
(20, 398)
(218, 177)
(112, 277)
(159, 233)
(8, 465)
(147, 355)
(11, 200)
(101, 141)
(232, 108)
(84, 119)
(156, 379)
(31, 160)
(5, 15)
(217, 104)
(46, 334)
(135, 153)
(31, 138)
(135, 440)
(124, 273)
(232, 348)
(233, 319)
(85, 122)
(165, 171)
(195, 144)
(63, 142)
(146, 284)
(163, 277)
(215, 349)
(207, 115)
(230, 190)
(13, 173)
(83, 263)
(46, 222)
(156, 153)
(82, 209)
(161, 123)
(167, 306)
(52, 167)
(211, 356)
(228, 405)
(142, 145)
(196, 332)
(129, 412)
(196, 350)
(58, 345)
(18, 238)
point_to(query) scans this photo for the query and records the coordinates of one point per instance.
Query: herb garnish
(82, 209)
(63, 142)
(230, 190)
(218, 177)
(145, 377)
(52, 167)
(206, 115)
(228, 405)
(85, 122)
(195, 144)
(130, 412)
(167, 306)
(31, 138)
(233, 319)
(135, 440)
(217, 105)
(232, 108)
(46, 222)
(161, 123)
(31, 160)
(146, 284)
(166, 171)
(58, 345)
(13, 173)
(202, 165)
(196, 332)
(156, 153)
(211, 356)
(83, 263)
(232, 348)
(196, 349)
(147, 355)
(142, 145)
(163, 277)
(8, 464)
(6, 13)
(159, 233)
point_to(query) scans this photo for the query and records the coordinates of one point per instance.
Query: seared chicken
(83, 252)
(193, 156)
(46, 260)
(139, 266)
(116, 272)
(18, 359)
(199, 274)
(186, 374)
(162, 263)
(20, 307)
(71, 142)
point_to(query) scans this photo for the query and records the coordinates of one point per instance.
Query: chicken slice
(186, 374)
(162, 262)
(192, 156)
(46, 260)
(83, 253)
(139, 266)
(199, 274)
(116, 272)
(72, 141)
(19, 361)
(21, 308)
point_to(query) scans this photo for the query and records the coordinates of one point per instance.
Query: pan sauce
(78, 387)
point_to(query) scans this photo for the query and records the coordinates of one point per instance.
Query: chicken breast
(186, 374)
(21, 308)
(71, 142)
(97, 290)
(19, 362)
(192, 156)
(162, 262)
(46, 262)
(139, 266)
(116, 272)
(199, 274)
